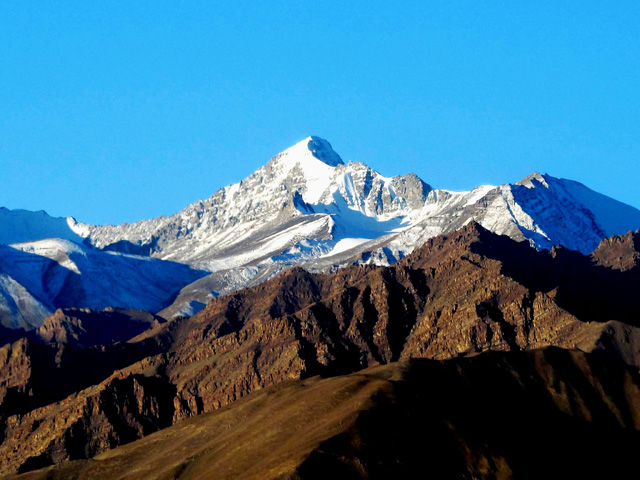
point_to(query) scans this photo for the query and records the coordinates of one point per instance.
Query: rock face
(33, 374)
(620, 252)
(72, 350)
(547, 413)
(459, 295)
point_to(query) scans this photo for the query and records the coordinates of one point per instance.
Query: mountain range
(318, 319)
(477, 352)
(304, 208)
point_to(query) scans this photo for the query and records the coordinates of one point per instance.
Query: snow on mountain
(23, 225)
(38, 277)
(307, 208)
(306, 193)
(18, 307)
(611, 216)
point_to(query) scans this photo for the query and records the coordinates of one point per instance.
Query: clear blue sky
(118, 111)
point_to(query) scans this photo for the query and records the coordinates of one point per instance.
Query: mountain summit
(317, 147)
(305, 207)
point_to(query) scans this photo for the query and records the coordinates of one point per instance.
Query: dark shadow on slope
(587, 290)
(53, 372)
(522, 415)
(130, 248)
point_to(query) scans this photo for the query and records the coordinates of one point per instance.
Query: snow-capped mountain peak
(307, 166)
(306, 207)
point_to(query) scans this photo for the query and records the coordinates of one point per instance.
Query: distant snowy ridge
(306, 207)
(542, 209)
(23, 225)
(36, 278)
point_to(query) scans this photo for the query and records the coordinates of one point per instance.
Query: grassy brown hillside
(547, 413)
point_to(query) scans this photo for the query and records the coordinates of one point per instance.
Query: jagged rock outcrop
(620, 252)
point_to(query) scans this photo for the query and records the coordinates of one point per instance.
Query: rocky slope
(73, 349)
(459, 295)
(548, 413)
(34, 374)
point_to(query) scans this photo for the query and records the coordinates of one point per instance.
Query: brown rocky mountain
(87, 328)
(72, 350)
(547, 413)
(621, 252)
(462, 294)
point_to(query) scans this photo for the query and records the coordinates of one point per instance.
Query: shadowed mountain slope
(88, 328)
(37, 278)
(547, 413)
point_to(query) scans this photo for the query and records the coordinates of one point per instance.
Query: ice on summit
(310, 150)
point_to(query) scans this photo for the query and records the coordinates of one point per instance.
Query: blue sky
(130, 110)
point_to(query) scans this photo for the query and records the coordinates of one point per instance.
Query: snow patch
(345, 244)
